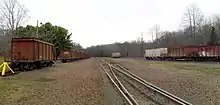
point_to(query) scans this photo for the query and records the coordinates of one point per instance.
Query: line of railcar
(188, 53)
(72, 55)
(32, 53)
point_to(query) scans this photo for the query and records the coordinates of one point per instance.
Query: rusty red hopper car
(31, 53)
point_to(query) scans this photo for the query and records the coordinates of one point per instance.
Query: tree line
(13, 15)
(196, 30)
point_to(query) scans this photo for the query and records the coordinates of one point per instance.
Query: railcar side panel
(36, 51)
(44, 51)
(22, 51)
(40, 51)
(74, 54)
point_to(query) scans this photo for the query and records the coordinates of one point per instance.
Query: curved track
(135, 90)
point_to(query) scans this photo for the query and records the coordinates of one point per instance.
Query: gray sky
(95, 22)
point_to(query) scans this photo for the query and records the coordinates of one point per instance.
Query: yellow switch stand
(5, 66)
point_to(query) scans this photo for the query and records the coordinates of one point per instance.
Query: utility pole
(152, 36)
(142, 44)
(37, 29)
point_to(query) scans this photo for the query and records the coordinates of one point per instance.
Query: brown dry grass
(1, 60)
(200, 67)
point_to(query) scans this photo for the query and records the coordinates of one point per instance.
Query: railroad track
(136, 90)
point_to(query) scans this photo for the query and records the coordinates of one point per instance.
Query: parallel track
(119, 69)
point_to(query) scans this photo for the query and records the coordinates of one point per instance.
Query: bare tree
(12, 15)
(193, 18)
(155, 31)
(156, 28)
(152, 34)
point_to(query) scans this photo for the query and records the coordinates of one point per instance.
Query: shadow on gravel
(9, 73)
(43, 79)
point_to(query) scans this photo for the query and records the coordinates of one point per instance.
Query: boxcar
(31, 53)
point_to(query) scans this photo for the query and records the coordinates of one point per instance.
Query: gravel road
(193, 85)
(74, 83)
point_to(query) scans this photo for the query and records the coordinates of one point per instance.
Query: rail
(171, 96)
(164, 93)
(123, 94)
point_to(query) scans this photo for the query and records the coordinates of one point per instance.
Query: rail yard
(76, 78)
(136, 82)
(109, 52)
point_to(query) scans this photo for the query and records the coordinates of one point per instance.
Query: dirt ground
(75, 83)
(197, 83)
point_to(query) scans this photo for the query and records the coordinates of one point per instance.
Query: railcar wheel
(46, 64)
(38, 65)
(30, 66)
(49, 64)
(21, 67)
(26, 66)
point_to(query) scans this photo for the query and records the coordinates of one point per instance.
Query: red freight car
(66, 55)
(69, 55)
(195, 52)
(31, 53)
(85, 56)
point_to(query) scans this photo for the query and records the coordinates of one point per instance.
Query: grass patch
(184, 66)
(12, 89)
(1, 60)
(205, 69)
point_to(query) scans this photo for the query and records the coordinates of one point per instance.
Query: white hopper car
(158, 53)
(116, 55)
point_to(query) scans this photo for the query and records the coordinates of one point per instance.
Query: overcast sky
(95, 22)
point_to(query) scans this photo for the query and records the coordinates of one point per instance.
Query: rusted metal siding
(50, 52)
(22, 50)
(77, 54)
(74, 54)
(80, 55)
(206, 51)
(40, 51)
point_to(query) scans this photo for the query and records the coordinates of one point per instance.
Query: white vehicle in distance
(116, 55)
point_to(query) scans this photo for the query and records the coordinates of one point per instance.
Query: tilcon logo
(66, 52)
